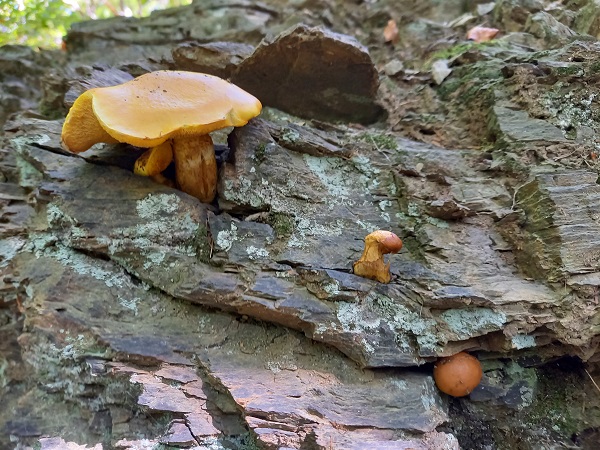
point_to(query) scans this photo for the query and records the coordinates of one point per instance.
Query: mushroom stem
(371, 264)
(196, 165)
(154, 160)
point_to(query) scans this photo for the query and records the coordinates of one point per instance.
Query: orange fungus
(371, 264)
(457, 375)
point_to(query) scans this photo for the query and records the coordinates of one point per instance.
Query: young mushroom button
(457, 375)
(168, 112)
(371, 264)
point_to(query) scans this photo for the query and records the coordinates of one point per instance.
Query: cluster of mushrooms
(171, 113)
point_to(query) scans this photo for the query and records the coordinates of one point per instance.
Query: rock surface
(330, 75)
(133, 316)
(215, 58)
(21, 70)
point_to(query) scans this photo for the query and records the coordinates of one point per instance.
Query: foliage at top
(43, 23)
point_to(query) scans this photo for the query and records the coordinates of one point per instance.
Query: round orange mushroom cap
(388, 241)
(457, 375)
(155, 107)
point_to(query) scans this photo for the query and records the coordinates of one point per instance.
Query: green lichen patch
(381, 141)
(566, 401)
(304, 227)
(459, 49)
(29, 176)
(289, 136)
(538, 242)
(467, 323)
(226, 238)
(282, 224)
(570, 108)
(414, 334)
(43, 244)
(335, 174)
(202, 244)
(521, 341)
(260, 152)
(157, 206)
(68, 388)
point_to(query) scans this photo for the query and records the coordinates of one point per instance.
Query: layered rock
(139, 311)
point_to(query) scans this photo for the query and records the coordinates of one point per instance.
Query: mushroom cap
(388, 241)
(457, 375)
(157, 106)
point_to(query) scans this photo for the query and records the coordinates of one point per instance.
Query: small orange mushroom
(371, 264)
(168, 112)
(457, 375)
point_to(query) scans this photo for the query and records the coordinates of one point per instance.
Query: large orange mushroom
(169, 112)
